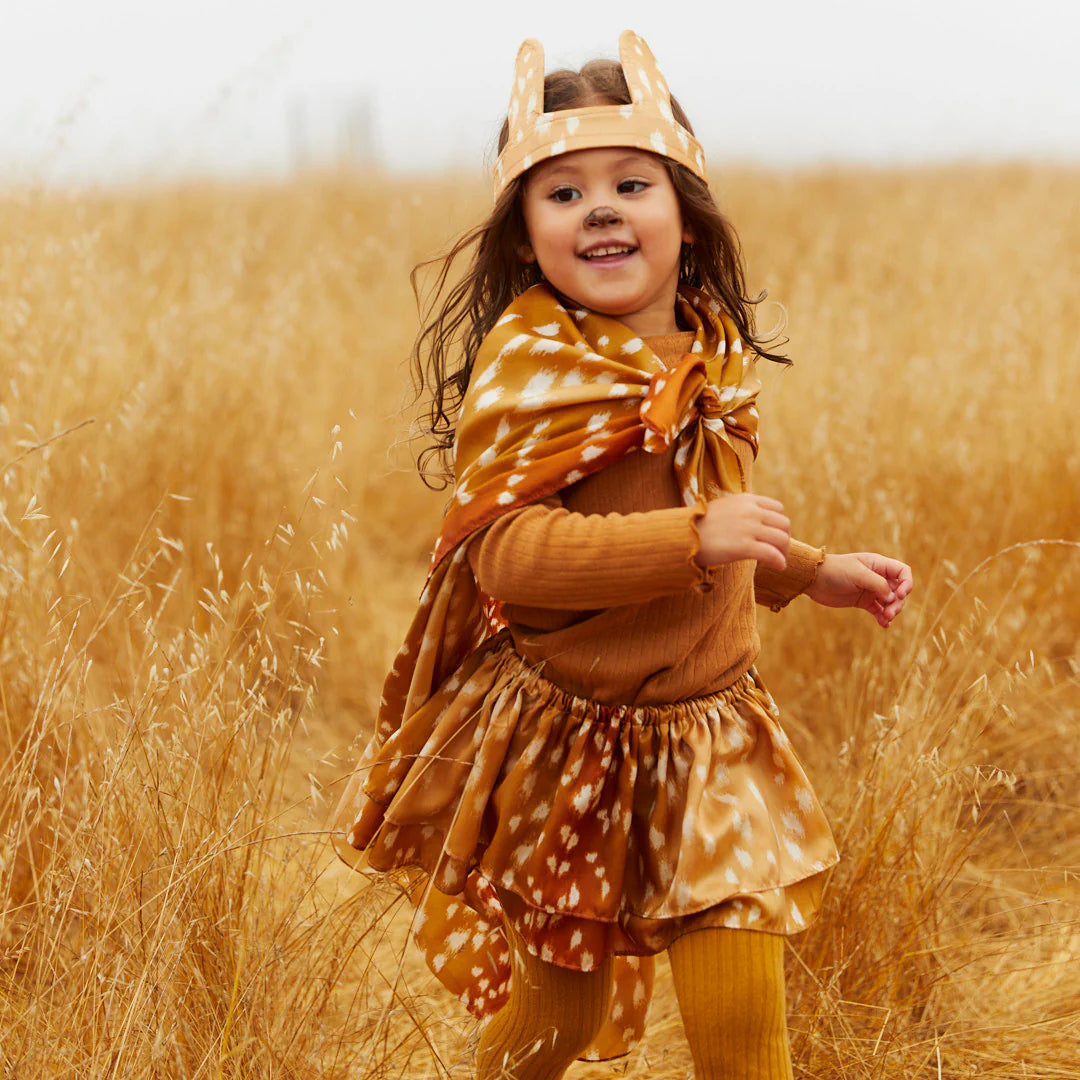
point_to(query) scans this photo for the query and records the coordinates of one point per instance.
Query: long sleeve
(777, 588)
(546, 556)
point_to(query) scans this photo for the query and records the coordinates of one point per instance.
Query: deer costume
(590, 778)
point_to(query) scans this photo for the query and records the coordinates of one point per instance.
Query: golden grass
(207, 555)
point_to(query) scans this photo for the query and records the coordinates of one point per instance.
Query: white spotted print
(539, 384)
(582, 798)
(486, 375)
(512, 345)
(542, 345)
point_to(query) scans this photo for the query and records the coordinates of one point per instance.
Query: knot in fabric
(672, 402)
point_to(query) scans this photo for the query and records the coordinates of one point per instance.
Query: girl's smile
(605, 227)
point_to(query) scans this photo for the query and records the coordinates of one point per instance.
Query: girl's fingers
(899, 575)
(769, 556)
(776, 538)
(777, 521)
(879, 612)
(888, 611)
(769, 504)
(874, 583)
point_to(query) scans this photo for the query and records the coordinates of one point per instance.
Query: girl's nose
(602, 215)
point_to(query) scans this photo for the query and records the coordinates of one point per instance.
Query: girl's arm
(549, 557)
(755, 527)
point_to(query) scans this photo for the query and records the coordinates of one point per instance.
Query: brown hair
(453, 330)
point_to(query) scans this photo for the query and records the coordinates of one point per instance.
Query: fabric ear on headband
(647, 123)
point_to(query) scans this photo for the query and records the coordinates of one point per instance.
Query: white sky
(105, 90)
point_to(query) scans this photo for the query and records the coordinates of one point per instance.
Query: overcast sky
(105, 90)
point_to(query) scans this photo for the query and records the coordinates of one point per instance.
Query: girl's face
(605, 228)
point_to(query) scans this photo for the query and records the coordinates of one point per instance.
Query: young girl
(574, 751)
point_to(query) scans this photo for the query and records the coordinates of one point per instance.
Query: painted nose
(602, 215)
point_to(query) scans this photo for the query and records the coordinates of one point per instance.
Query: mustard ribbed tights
(551, 1017)
(730, 988)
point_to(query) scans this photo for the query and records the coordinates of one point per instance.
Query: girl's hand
(863, 579)
(744, 526)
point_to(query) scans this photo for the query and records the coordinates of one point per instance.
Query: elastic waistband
(518, 671)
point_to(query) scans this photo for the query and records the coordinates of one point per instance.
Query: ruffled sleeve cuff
(701, 576)
(775, 589)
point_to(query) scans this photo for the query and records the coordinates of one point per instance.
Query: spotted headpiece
(645, 124)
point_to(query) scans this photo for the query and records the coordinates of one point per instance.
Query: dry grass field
(211, 537)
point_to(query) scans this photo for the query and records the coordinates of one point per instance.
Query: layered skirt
(593, 829)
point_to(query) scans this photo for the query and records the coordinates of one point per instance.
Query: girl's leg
(551, 1017)
(730, 986)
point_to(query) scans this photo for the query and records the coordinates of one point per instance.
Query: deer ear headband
(645, 124)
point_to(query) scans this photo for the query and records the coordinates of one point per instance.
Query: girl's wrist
(816, 583)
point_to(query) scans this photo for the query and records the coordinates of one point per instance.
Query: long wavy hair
(461, 312)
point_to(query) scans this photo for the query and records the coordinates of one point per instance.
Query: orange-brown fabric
(609, 829)
(616, 826)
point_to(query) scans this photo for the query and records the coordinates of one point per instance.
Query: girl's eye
(565, 194)
(632, 187)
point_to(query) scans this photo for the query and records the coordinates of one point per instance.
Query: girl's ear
(526, 254)
(687, 235)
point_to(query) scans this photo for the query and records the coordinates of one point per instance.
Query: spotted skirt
(593, 829)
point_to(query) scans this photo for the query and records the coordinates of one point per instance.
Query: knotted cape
(556, 394)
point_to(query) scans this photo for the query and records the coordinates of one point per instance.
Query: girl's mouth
(608, 253)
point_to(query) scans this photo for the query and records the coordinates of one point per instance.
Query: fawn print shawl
(555, 395)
